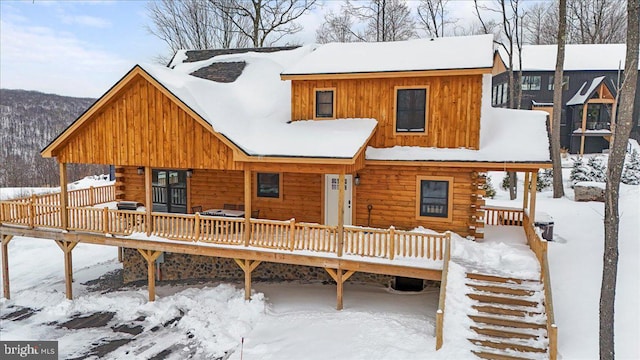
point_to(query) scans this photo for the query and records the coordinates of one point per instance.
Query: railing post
(148, 199)
(64, 222)
(32, 211)
(105, 220)
(196, 232)
(392, 242)
(341, 186)
(292, 230)
(92, 196)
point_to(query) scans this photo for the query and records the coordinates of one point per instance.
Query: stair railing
(443, 292)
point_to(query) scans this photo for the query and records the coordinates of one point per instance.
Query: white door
(331, 199)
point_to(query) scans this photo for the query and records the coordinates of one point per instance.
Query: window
(531, 82)
(268, 185)
(505, 93)
(434, 197)
(494, 97)
(411, 110)
(565, 83)
(325, 104)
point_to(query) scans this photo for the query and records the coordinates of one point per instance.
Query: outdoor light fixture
(357, 179)
(189, 173)
(140, 170)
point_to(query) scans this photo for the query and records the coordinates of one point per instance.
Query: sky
(82, 48)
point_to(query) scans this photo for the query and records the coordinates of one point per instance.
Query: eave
(386, 74)
(489, 165)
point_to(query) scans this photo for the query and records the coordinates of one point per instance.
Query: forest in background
(29, 120)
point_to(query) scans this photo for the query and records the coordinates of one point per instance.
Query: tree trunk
(614, 171)
(558, 189)
(513, 185)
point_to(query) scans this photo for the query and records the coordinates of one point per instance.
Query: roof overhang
(386, 74)
(488, 165)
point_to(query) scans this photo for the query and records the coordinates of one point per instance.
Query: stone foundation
(187, 267)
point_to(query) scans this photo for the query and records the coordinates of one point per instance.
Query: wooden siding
(141, 126)
(301, 193)
(453, 113)
(392, 193)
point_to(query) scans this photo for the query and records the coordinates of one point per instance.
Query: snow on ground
(294, 320)
(8, 193)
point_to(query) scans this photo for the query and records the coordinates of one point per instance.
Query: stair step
(503, 333)
(499, 279)
(504, 311)
(493, 356)
(502, 300)
(505, 322)
(502, 290)
(527, 285)
(506, 345)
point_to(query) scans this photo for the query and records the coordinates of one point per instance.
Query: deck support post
(525, 198)
(5, 265)
(66, 247)
(151, 256)
(247, 206)
(247, 266)
(148, 198)
(339, 276)
(532, 208)
(64, 213)
(341, 184)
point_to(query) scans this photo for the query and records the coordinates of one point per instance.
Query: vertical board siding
(391, 190)
(141, 126)
(453, 107)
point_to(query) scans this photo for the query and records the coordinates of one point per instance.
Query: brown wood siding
(141, 126)
(391, 190)
(453, 107)
(301, 194)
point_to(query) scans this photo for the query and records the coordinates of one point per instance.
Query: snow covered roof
(584, 93)
(506, 136)
(577, 57)
(463, 52)
(254, 110)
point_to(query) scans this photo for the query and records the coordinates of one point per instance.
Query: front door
(331, 199)
(169, 191)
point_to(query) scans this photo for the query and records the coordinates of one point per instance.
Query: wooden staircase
(509, 320)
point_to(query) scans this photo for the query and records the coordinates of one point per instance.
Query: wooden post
(247, 206)
(92, 196)
(525, 199)
(341, 185)
(532, 209)
(64, 223)
(339, 276)
(292, 234)
(584, 127)
(151, 256)
(148, 195)
(196, 232)
(66, 247)
(105, 220)
(392, 242)
(247, 266)
(5, 265)
(32, 211)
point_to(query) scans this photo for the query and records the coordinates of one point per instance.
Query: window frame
(565, 82)
(257, 187)
(315, 103)
(450, 181)
(529, 83)
(426, 110)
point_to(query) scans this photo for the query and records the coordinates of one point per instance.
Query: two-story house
(590, 82)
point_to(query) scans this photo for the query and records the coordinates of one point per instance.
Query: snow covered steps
(508, 315)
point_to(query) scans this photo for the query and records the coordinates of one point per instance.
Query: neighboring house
(590, 83)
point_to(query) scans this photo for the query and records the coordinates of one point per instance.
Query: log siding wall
(453, 107)
(141, 126)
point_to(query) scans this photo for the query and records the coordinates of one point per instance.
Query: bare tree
(509, 36)
(541, 23)
(433, 16)
(339, 27)
(386, 20)
(192, 24)
(614, 171)
(597, 21)
(267, 21)
(558, 189)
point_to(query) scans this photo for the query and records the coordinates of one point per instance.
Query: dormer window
(411, 110)
(325, 105)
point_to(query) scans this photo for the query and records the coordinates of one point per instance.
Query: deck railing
(507, 216)
(442, 297)
(287, 235)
